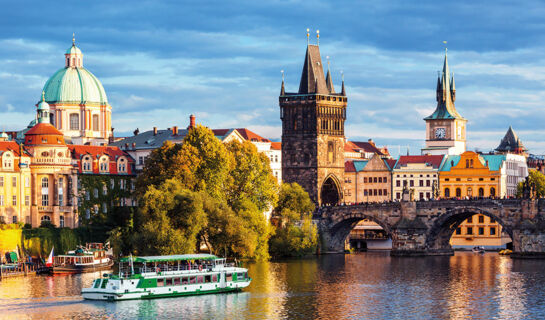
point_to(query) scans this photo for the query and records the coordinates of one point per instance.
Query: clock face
(440, 133)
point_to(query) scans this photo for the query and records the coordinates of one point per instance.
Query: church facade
(313, 132)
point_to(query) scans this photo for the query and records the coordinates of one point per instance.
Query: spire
(452, 88)
(343, 92)
(511, 143)
(312, 76)
(328, 80)
(282, 90)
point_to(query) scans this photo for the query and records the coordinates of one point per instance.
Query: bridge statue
(425, 227)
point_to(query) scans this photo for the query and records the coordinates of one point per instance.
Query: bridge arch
(442, 228)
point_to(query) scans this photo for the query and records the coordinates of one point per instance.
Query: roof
(450, 161)
(276, 145)
(112, 151)
(251, 136)
(9, 146)
(360, 165)
(312, 76)
(44, 128)
(177, 257)
(495, 161)
(360, 146)
(149, 140)
(433, 160)
(510, 142)
(74, 85)
(44, 134)
(390, 163)
(73, 50)
(349, 166)
(445, 96)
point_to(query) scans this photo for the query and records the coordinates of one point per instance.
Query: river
(369, 285)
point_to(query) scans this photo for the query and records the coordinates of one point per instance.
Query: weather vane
(282, 71)
(308, 36)
(318, 37)
(73, 38)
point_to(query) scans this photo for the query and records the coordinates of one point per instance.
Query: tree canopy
(536, 181)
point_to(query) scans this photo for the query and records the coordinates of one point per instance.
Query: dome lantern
(74, 57)
(43, 110)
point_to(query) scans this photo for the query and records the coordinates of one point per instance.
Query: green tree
(296, 235)
(536, 180)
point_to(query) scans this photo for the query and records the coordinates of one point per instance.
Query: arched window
(8, 161)
(103, 164)
(447, 193)
(458, 192)
(122, 165)
(61, 221)
(467, 163)
(469, 192)
(95, 122)
(492, 192)
(45, 218)
(74, 121)
(87, 164)
(481, 192)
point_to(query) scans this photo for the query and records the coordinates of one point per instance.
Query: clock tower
(445, 128)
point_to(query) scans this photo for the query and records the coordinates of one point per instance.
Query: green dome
(74, 85)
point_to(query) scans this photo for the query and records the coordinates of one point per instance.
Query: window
(87, 164)
(95, 122)
(492, 191)
(469, 230)
(481, 231)
(331, 151)
(379, 179)
(122, 165)
(375, 179)
(398, 195)
(45, 218)
(87, 195)
(140, 160)
(385, 179)
(481, 192)
(1, 200)
(61, 221)
(492, 220)
(45, 183)
(458, 192)
(492, 231)
(14, 219)
(104, 190)
(1, 181)
(481, 219)
(470, 220)
(428, 183)
(74, 121)
(27, 201)
(447, 179)
(27, 182)
(104, 208)
(421, 183)
(88, 213)
(379, 192)
(447, 193)
(122, 184)
(411, 183)
(384, 192)
(398, 183)
(469, 192)
(95, 193)
(458, 230)
(428, 195)
(8, 161)
(45, 200)
(421, 195)
(103, 164)
(14, 182)
(14, 200)
(365, 192)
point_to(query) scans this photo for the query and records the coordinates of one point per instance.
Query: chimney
(134, 145)
(191, 122)
(154, 131)
(126, 146)
(175, 130)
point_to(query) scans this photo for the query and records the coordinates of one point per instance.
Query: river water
(369, 285)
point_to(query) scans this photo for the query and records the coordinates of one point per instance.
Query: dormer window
(103, 164)
(122, 165)
(87, 164)
(7, 161)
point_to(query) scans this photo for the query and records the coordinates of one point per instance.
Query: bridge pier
(529, 240)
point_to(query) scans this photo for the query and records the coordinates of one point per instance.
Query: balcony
(45, 208)
(65, 209)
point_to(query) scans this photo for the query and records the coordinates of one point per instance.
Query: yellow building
(472, 175)
(14, 183)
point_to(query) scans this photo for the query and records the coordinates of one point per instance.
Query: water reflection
(359, 286)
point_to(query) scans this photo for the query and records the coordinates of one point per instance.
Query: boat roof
(175, 257)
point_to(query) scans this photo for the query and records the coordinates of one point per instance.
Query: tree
(296, 235)
(536, 181)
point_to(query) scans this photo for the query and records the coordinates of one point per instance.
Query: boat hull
(156, 293)
(74, 269)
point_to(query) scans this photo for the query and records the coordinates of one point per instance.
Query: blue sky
(160, 61)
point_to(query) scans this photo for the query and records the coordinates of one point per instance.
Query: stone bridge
(425, 227)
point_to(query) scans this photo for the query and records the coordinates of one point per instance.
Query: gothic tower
(445, 128)
(313, 132)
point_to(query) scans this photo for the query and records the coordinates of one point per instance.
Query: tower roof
(312, 77)
(511, 143)
(446, 94)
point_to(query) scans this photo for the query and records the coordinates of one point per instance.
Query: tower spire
(328, 80)
(343, 92)
(282, 90)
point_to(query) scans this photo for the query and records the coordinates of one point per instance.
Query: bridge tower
(313, 132)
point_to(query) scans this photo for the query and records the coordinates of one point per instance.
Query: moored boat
(478, 249)
(168, 276)
(93, 257)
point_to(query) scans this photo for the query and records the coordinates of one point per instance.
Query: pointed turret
(328, 80)
(312, 76)
(282, 90)
(445, 95)
(343, 91)
(511, 143)
(452, 88)
(43, 110)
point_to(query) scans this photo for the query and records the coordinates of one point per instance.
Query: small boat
(505, 252)
(478, 249)
(168, 276)
(93, 257)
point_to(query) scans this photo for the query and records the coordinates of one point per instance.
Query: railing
(65, 208)
(45, 208)
(166, 269)
(367, 237)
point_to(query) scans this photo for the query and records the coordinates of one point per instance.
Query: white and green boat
(168, 276)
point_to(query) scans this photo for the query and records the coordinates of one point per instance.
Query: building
(79, 107)
(105, 181)
(479, 230)
(419, 175)
(368, 180)
(473, 175)
(445, 128)
(364, 150)
(15, 189)
(536, 162)
(511, 144)
(313, 132)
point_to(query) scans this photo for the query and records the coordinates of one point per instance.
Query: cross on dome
(73, 56)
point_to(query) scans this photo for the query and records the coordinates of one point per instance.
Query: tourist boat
(93, 257)
(478, 249)
(168, 276)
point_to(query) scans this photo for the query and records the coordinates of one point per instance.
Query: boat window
(177, 281)
(104, 282)
(214, 278)
(207, 279)
(240, 276)
(160, 282)
(185, 280)
(228, 277)
(192, 280)
(97, 283)
(200, 279)
(169, 281)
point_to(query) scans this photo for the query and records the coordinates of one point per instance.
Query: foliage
(204, 192)
(536, 179)
(296, 235)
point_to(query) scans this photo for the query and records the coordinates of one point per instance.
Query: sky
(160, 61)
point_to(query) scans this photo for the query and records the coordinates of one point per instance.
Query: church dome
(74, 84)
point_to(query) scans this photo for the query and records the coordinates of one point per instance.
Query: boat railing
(125, 270)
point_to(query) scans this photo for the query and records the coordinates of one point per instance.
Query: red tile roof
(79, 150)
(434, 160)
(349, 166)
(43, 128)
(250, 135)
(276, 145)
(11, 146)
(391, 162)
(44, 134)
